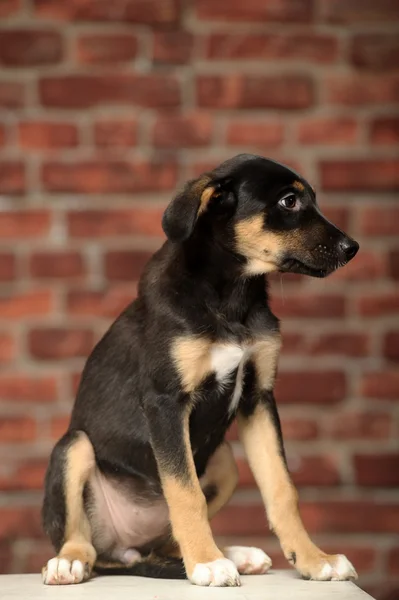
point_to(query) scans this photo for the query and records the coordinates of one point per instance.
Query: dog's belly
(120, 519)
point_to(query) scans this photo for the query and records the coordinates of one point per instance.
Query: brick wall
(105, 108)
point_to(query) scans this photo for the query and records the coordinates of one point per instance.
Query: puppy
(144, 466)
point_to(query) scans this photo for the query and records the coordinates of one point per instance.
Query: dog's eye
(290, 201)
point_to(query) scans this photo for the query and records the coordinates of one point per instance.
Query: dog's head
(264, 213)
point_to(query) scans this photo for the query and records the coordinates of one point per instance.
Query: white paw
(248, 560)
(60, 571)
(335, 568)
(220, 572)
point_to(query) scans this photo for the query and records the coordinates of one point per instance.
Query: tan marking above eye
(298, 185)
(205, 198)
(259, 246)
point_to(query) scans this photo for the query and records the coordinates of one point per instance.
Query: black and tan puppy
(144, 466)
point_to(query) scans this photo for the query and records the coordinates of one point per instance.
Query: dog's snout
(349, 248)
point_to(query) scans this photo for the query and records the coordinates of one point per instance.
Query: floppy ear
(179, 218)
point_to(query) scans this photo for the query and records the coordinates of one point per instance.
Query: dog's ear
(179, 218)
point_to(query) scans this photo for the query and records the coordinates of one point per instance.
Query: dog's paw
(334, 567)
(61, 571)
(249, 561)
(219, 573)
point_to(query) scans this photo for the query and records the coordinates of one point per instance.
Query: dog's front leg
(170, 439)
(260, 432)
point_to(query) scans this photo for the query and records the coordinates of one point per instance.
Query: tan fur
(205, 197)
(80, 462)
(265, 354)
(260, 441)
(260, 247)
(191, 356)
(298, 185)
(188, 512)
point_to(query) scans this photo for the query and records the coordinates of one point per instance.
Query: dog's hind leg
(64, 516)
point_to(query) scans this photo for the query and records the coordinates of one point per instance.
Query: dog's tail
(159, 567)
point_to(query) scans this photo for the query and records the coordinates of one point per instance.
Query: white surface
(275, 585)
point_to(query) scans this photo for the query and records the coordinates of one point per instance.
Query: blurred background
(105, 108)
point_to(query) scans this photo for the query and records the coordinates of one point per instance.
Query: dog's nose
(349, 248)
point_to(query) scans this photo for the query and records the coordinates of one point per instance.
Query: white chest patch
(225, 358)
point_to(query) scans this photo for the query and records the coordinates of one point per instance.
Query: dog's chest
(228, 360)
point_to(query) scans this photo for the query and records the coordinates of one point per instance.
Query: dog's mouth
(293, 265)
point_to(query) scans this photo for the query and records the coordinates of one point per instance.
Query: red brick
(393, 562)
(58, 426)
(125, 265)
(6, 549)
(38, 555)
(306, 470)
(59, 344)
(12, 94)
(9, 8)
(300, 11)
(375, 51)
(377, 469)
(342, 344)
(337, 215)
(172, 47)
(26, 476)
(7, 348)
(254, 91)
(361, 516)
(394, 264)
(17, 429)
(57, 264)
(85, 91)
(257, 133)
(7, 266)
(106, 48)
(19, 305)
(327, 130)
(75, 382)
(362, 90)
(384, 130)
(24, 224)
(377, 220)
(102, 176)
(311, 306)
(42, 135)
(365, 267)
(109, 303)
(360, 175)
(376, 306)
(24, 388)
(115, 133)
(391, 345)
(29, 47)
(12, 177)
(297, 46)
(310, 387)
(296, 429)
(17, 521)
(117, 222)
(172, 131)
(293, 343)
(150, 12)
(365, 425)
(3, 136)
(383, 385)
(360, 11)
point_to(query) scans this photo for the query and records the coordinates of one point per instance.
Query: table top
(284, 585)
